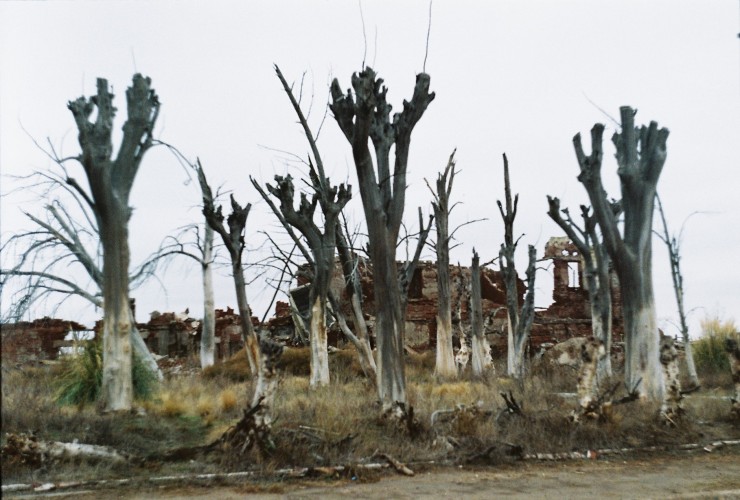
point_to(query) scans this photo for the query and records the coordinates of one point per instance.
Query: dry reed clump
(195, 396)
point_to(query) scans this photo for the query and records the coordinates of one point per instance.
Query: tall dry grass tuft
(709, 352)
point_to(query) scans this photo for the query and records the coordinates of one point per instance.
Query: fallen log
(28, 449)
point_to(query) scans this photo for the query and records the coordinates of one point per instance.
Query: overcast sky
(520, 77)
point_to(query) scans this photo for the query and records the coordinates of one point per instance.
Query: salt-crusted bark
(233, 240)
(110, 183)
(641, 154)
(519, 322)
(670, 408)
(592, 350)
(364, 116)
(208, 335)
(322, 242)
(482, 362)
(596, 270)
(445, 362)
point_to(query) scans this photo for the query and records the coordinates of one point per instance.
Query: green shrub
(709, 350)
(82, 376)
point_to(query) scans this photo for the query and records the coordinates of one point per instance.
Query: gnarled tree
(519, 321)
(445, 362)
(233, 239)
(110, 180)
(641, 154)
(596, 269)
(59, 256)
(364, 116)
(481, 360)
(673, 244)
(321, 242)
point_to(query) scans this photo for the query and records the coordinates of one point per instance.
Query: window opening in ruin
(573, 275)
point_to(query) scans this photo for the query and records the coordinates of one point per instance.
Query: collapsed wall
(38, 340)
(178, 335)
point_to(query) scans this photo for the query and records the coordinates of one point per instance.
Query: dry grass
(340, 423)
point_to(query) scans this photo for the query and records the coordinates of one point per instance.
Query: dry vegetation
(338, 424)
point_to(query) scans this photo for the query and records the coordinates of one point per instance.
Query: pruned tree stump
(670, 409)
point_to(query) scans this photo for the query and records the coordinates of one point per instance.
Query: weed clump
(709, 351)
(82, 376)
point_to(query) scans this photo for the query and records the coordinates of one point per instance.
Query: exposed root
(247, 432)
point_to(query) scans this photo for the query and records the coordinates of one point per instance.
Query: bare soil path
(694, 475)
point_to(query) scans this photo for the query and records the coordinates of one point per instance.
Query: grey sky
(512, 77)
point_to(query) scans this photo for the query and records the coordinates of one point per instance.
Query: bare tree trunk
(641, 154)
(234, 242)
(208, 335)
(596, 270)
(322, 243)
(362, 117)
(674, 255)
(481, 359)
(670, 409)
(445, 362)
(592, 350)
(141, 350)
(519, 323)
(266, 388)
(462, 357)
(117, 388)
(353, 289)
(110, 185)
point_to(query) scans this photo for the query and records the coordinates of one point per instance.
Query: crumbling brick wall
(38, 340)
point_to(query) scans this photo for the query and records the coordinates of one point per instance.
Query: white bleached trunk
(208, 335)
(319, 345)
(671, 406)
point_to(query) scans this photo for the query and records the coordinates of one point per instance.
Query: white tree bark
(319, 345)
(482, 362)
(208, 335)
(445, 357)
(641, 154)
(363, 117)
(110, 186)
(670, 408)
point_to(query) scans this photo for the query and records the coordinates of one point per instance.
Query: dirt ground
(687, 475)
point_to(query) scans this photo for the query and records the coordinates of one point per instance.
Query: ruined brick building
(178, 334)
(37, 341)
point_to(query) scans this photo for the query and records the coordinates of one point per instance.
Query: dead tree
(670, 408)
(445, 363)
(200, 248)
(59, 258)
(363, 117)
(233, 239)
(674, 256)
(462, 357)
(110, 182)
(519, 321)
(596, 270)
(321, 242)
(481, 350)
(353, 291)
(641, 154)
